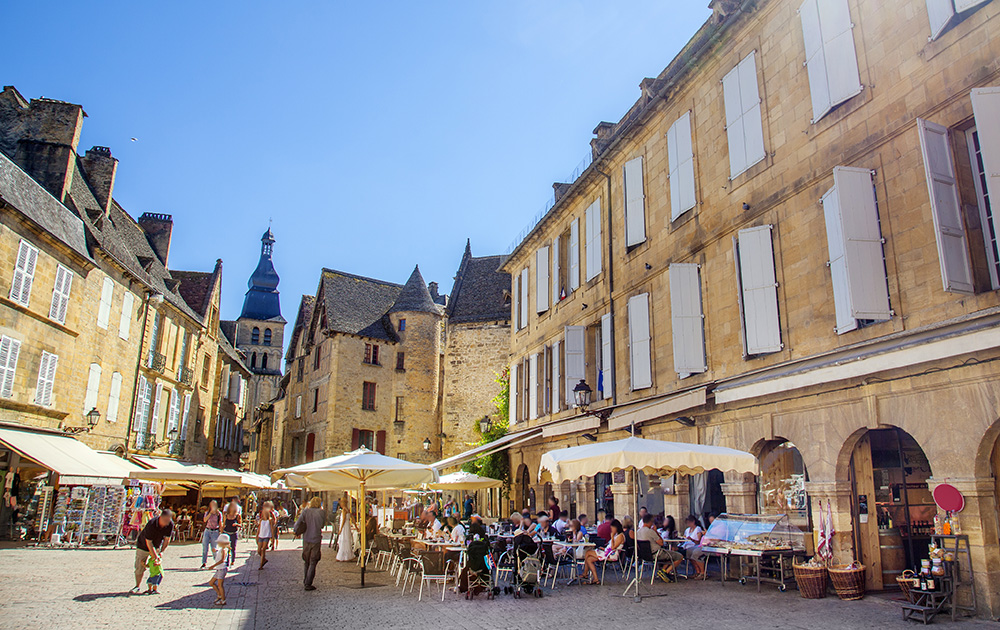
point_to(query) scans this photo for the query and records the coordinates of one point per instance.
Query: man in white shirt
(560, 523)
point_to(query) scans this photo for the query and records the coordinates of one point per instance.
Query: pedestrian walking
(267, 531)
(232, 518)
(310, 526)
(221, 565)
(345, 542)
(155, 576)
(213, 522)
(152, 542)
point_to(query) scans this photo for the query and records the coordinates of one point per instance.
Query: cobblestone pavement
(87, 588)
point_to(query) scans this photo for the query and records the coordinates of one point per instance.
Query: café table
(574, 546)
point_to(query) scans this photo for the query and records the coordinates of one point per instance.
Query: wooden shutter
(125, 324)
(298, 406)
(758, 291)
(380, 442)
(93, 388)
(542, 280)
(939, 13)
(9, 349)
(154, 417)
(532, 386)
(854, 240)
(831, 60)
(24, 273)
(607, 356)
(524, 297)
(635, 203)
(114, 397)
(556, 379)
(986, 105)
(173, 411)
(592, 217)
(744, 126)
(46, 377)
(104, 311)
(574, 255)
(576, 365)
(515, 301)
(946, 207)
(512, 395)
(355, 439)
(556, 289)
(640, 360)
(680, 160)
(185, 415)
(687, 320)
(141, 418)
(60, 294)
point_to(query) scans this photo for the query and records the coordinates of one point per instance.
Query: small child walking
(221, 565)
(155, 576)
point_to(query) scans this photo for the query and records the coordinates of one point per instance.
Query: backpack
(530, 568)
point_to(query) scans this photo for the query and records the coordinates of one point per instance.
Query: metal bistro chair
(382, 549)
(554, 563)
(429, 569)
(645, 550)
(618, 565)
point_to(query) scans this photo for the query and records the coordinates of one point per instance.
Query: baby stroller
(527, 568)
(479, 570)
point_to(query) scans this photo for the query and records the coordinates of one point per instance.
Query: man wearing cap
(152, 541)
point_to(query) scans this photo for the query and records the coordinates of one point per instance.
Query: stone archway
(522, 487)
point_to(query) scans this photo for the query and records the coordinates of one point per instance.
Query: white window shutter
(524, 297)
(556, 289)
(154, 418)
(680, 160)
(512, 394)
(9, 350)
(986, 105)
(533, 387)
(141, 419)
(939, 13)
(576, 365)
(104, 311)
(60, 294)
(24, 273)
(542, 280)
(46, 379)
(125, 324)
(298, 406)
(574, 255)
(758, 291)
(965, 5)
(635, 203)
(174, 414)
(93, 388)
(114, 397)
(640, 359)
(831, 59)
(607, 357)
(185, 416)
(744, 125)
(939, 167)
(556, 379)
(687, 321)
(838, 262)
(515, 301)
(734, 122)
(593, 228)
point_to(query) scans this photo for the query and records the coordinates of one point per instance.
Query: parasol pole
(635, 526)
(364, 519)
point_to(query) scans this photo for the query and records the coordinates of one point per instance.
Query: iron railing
(157, 361)
(186, 376)
(176, 448)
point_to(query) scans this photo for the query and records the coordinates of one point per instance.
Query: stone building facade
(786, 246)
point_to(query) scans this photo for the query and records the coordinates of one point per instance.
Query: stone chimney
(603, 132)
(100, 169)
(158, 228)
(559, 189)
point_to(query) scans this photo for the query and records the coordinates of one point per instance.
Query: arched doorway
(781, 487)
(892, 506)
(523, 483)
(310, 446)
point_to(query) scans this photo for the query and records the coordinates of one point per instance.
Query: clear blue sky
(377, 135)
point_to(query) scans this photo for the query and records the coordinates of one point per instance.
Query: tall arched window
(267, 336)
(253, 360)
(255, 336)
(263, 362)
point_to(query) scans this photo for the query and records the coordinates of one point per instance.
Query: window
(512, 394)
(757, 291)
(533, 387)
(640, 360)
(860, 289)
(946, 208)
(402, 325)
(592, 227)
(302, 369)
(398, 417)
(310, 446)
(93, 388)
(363, 438)
(174, 413)
(253, 360)
(687, 319)
(24, 273)
(575, 364)
(60, 294)
(400, 357)
(368, 396)
(371, 354)
(206, 370)
(542, 280)
(680, 159)
(143, 394)
(557, 388)
(114, 397)
(154, 338)
(317, 356)
(942, 13)
(315, 400)
(46, 379)
(985, 149)
(263, 361)
(298, 406)
(545, 393)
(255, 336)
(574, 255)
(185, 341)
(831, 60)
(154, 417)
(744, 129)
(125, 323)
(606, 377)
(9, 349)
(635, 203)
(267, 336)
(991, 237)
(104, 310)
(520, 302)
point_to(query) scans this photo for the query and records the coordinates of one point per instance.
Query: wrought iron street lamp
(427, 444)
(484, 425)
(581, 396)
(93, 417)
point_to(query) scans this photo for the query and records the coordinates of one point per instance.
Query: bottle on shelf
(955, 528)
(946, 526)
(930, 583)
(938, 525)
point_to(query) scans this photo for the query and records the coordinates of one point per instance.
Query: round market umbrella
(462, 480)
(359, 470)
(637, 454)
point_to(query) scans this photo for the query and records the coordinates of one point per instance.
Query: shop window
(782, 488)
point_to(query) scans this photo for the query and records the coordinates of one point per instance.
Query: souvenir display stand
(142, 502)
(103, 516)
(67, 517)
(763, 545)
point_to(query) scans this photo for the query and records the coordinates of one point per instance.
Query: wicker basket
(848, 581)
(905, 582)
(812, 580)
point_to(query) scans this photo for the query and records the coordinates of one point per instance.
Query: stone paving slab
(87, 588)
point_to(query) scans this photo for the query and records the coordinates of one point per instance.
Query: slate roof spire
(262, 300)
(415, 297)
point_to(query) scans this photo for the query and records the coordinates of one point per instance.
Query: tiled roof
(228, 328)
(301, 322)
(196, 288)
(479, 291)
(18, 189)
(358, 305)
(231, 352)
(415, 298)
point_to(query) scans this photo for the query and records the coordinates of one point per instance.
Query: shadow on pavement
(91, 597)
(202, 599)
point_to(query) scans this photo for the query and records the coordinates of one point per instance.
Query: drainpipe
(611, 290)
(150, 295)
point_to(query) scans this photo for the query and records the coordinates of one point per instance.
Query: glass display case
(753, 533)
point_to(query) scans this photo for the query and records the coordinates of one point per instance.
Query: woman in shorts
(267, 531)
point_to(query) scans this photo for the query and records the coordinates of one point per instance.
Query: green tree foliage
(496, 465)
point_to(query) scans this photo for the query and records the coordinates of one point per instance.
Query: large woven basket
(848, 581)
(905, 582)
(812, 580)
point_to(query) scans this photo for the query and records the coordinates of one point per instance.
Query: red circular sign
(948, 498)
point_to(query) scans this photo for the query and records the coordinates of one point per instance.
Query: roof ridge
(360, 277)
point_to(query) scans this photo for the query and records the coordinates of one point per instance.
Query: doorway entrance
(892, 507)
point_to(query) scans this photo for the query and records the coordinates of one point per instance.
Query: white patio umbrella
(201, 475)
(359, 470)
(462, 480)
(637, 454)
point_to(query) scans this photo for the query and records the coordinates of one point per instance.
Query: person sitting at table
(561, 523)
(610, 553)
(628, 528)
(456, 531)
(668, 531)
(526, 514)
(583, 521)
(514, 523)
(642, 514)
(545, 529)
(604, 527)
(692, 545)
(660, 552)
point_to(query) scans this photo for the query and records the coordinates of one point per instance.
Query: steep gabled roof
(415, 298)
(478, 294)
(228, 328)
(196, 289)
(358, 305)
(306, 305)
